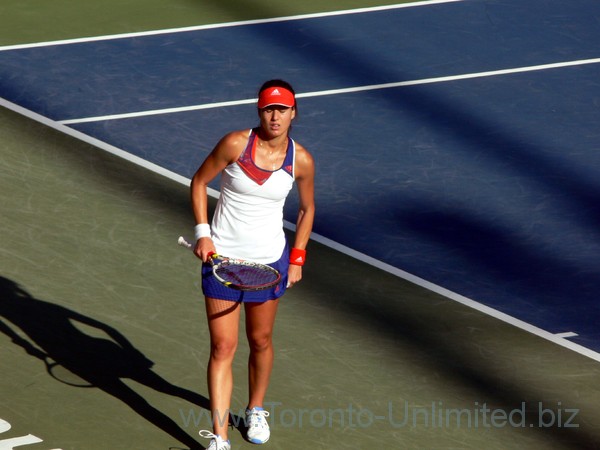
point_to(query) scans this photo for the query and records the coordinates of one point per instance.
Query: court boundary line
(350, 90)
(228, 24)
(554, 338)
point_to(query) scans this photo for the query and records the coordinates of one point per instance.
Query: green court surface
(28, 21)
(90, 274)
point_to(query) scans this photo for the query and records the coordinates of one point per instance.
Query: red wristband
(297, 257)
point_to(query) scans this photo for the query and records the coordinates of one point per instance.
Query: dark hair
(279, 83)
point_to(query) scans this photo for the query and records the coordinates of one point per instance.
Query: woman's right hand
(204, 247)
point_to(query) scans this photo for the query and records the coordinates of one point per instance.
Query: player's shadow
(54, 335)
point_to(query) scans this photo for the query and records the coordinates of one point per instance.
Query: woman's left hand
(294, 275)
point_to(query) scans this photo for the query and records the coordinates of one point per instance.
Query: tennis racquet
(239, 274)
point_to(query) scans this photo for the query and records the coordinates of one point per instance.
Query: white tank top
(248, 220)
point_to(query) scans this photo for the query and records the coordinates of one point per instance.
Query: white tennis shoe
(258, 427)
(216, 441)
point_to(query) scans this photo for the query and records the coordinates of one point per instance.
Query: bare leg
(260, 320)
(223, 324)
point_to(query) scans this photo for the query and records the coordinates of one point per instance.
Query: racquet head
(243, 275)
(239, 274)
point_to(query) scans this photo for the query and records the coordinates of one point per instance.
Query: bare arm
(305, 179)
(225, 152)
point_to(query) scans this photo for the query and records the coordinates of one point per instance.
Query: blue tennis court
(456, 142)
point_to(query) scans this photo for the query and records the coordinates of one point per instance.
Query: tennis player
(258, 168)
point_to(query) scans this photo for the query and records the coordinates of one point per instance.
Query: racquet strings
(245, 275)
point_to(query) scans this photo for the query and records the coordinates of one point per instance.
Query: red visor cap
(276, 96)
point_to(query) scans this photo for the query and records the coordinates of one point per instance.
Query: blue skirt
(213, 289)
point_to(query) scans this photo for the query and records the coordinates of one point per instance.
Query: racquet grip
(184, 243)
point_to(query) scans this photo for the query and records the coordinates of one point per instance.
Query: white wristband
(201, 230)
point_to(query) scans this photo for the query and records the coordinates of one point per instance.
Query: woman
(258, 167)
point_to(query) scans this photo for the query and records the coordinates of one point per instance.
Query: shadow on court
(525, 274)
(437, 341)
(74, 357)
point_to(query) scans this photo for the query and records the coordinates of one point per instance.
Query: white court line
(227, 24)
(371, 87)
(567, 334)
(557, 339)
